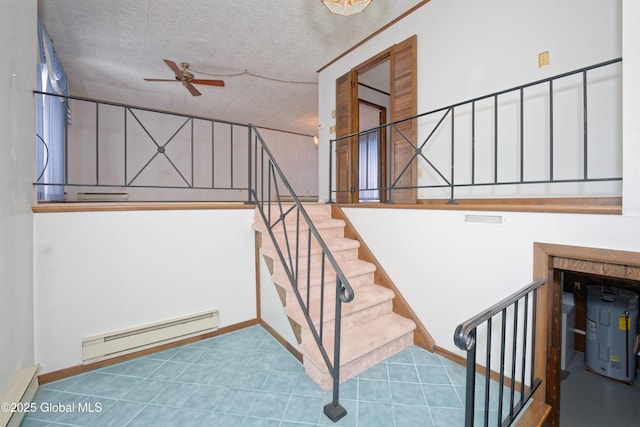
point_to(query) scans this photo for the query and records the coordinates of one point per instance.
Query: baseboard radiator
(118, 343)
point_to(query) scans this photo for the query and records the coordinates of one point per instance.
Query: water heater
(611, 330)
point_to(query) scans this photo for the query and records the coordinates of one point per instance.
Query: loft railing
(506, 138)
(299, 235)
(516, 346)
(150, 153)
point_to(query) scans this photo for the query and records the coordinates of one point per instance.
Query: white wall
(468, 48)
(271, 309)
(17, 172)
(449, 270)
(631, 106)
(97, 272)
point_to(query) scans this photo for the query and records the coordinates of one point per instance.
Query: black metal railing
(294, 235)
(128, 148)
(466, 142)
(516, 315)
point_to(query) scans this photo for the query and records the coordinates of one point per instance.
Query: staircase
(371, 331)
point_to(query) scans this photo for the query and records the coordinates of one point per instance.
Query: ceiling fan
(184, 75)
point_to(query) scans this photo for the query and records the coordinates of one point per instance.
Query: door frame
(352, 123)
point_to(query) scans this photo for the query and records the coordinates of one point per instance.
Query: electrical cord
(245, 72)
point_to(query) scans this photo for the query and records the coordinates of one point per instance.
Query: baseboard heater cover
(118, 343)
(102, 197)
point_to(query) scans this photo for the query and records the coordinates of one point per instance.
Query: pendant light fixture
(346, 7)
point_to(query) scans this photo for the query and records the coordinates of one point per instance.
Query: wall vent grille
(483, 219)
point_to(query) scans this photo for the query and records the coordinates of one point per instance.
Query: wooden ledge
(136, 206)
(579, 205)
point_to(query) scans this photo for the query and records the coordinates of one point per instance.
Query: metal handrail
(344, 291)
(465, 339)
(183, 173)
(418, 149)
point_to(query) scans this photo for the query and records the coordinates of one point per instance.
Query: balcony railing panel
(560, 136)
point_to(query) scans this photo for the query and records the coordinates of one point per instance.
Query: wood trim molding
(80, 369)
(548, 259)
(135, 206)
(421, 336)
(357, 45)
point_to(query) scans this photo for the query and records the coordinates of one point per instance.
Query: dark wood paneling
(403, 106)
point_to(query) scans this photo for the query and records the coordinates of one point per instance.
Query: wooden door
(403, 135)
(402, 169)
(346, 148)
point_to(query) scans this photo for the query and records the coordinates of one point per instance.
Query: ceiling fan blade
(174, 67)
(162, 80)
(192, 89)
(208, 82)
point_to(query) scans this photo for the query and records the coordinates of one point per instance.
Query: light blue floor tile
(404, 356)
(174, 394)
(143, 368)
(163, 355)
(237, 402)
(219, 419)
(408, 394)
(247, 378)
(374, 391)
(152, 415)
(169, 371)
(412, 416)
(281, 382)
(118, 415)
(50, 407)
(250, 379)
(260, 422)
(205, 397)
(188, 354)
(375, 415)
(146, 391)
(402, 373)
(377, 372)
(441, 396)
(269, 405)
(118, 387)
(91, 382)
(264, 361)
(184, 417)
(446, 417)
(433, 375)
(87, 411)
(423, 357)
(196, 373)
(305, 409)
(286, 362)
(306, 387)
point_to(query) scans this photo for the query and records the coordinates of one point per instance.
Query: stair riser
(316, 260)
(315, 213)
(355, 281)
(302, 239)
(322, 377)
(349, 320)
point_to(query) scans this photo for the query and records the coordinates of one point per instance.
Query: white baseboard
(21, 390)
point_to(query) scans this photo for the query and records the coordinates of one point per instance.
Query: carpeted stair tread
(356, 342)
(350, 269)
(366, 297)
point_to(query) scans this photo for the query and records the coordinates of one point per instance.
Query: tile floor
(247, 378)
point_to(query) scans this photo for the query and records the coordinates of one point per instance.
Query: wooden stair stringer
(422, 337)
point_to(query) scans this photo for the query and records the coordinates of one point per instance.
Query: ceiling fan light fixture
(346, 7)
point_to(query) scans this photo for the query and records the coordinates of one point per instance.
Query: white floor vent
(117, 343)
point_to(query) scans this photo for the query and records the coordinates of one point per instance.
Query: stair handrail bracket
(265, 163)
(521, 305)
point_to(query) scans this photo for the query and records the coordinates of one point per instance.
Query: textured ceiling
(107, 47)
